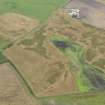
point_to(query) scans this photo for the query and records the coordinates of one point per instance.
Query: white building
(74, 13)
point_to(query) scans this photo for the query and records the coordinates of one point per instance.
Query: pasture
(39, 9)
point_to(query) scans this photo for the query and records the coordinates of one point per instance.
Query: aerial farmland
(52, 52)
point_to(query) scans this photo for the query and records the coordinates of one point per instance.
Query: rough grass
(87, 77)
(3, 43)
(3, 59)
(90, 38)
(39, 9)
(14, 26)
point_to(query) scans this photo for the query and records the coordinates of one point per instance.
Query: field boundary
(21, 78)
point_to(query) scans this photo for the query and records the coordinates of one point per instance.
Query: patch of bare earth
(13, 25)
(91, 11)
(12, 92)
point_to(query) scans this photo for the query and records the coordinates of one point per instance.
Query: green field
(39, 9)
(77, 99)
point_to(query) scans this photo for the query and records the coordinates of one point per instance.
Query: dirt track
(91, 11)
